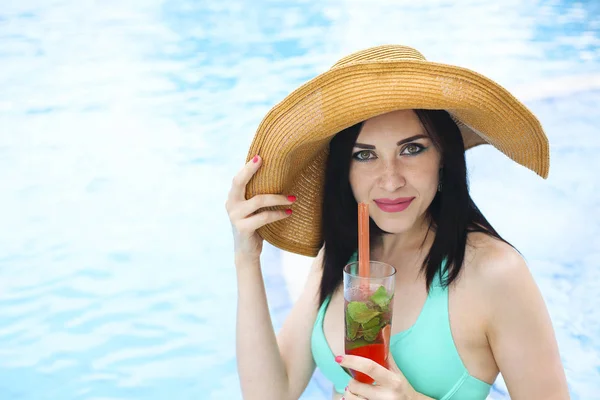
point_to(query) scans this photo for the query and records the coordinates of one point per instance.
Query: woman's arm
(268, 367)
(261, 368)
(520, 331)
(274, 367)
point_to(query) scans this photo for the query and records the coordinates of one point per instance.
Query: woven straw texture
(293, 137)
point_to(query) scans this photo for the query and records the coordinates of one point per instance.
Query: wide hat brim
(293, 137)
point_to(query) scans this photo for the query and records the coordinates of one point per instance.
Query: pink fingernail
(288, 211)
(338, 359)
(255, 159)
(291, 198)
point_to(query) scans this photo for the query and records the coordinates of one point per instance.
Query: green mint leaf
(359, 312)
(372, 323)
(371, 334)
(353, 330)
(380, 297)
(351, 327)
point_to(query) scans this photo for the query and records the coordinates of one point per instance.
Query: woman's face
(395, 169)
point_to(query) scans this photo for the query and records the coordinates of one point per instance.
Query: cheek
(425, 176)
(361, 181)
(428, 180)
(355, 182)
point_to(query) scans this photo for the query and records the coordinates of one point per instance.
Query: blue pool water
(123, 122)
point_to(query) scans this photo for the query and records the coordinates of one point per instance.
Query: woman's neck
(406, 249)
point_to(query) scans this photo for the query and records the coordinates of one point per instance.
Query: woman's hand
(389, 384)
(244, 216)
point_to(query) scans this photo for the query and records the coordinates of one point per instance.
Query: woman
(387, 128)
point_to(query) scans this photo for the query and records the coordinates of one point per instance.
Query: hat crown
(382, 53)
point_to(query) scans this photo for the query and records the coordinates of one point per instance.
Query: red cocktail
(368, 309)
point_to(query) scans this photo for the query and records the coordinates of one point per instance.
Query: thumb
(406, 386)
(392, 366)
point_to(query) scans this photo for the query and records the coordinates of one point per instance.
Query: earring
(440, 187)
(440, 184)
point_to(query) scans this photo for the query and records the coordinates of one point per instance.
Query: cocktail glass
(368, 309)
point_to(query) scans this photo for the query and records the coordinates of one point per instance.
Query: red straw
(363, 242)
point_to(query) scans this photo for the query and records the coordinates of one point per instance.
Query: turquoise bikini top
(425, 353)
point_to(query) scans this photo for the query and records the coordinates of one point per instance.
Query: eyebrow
(400, 143)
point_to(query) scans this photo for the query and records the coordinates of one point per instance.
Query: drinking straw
(363, 242)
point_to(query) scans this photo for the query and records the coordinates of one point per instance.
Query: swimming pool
(122, 124)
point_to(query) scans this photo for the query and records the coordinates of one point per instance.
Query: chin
(393, 225)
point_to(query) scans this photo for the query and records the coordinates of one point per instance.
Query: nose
(392, 177)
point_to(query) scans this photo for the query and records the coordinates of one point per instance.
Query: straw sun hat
(293, 137)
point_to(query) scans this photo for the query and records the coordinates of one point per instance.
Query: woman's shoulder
(495, 269)
(487, 257)
(516, 321)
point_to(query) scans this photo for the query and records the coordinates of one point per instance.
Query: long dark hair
(452, 213)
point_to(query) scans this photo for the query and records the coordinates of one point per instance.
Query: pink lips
(394, 205)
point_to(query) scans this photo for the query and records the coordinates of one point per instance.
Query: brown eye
(363, 155)
(412, 149)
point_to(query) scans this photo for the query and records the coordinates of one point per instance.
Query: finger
(241, 179)
(379, 373)
(248, 207)
(251, 224)
(393, 366)
(363, 390)
(348, 395)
